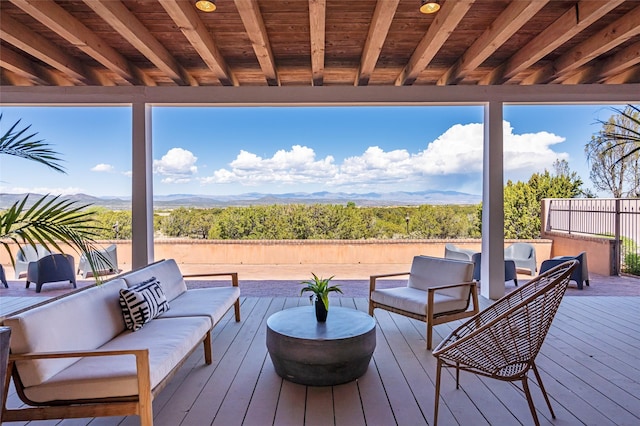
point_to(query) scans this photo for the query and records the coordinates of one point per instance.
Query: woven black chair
(502, 341)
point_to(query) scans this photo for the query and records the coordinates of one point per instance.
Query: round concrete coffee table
(309, 352)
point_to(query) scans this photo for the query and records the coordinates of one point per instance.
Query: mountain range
(398, 198)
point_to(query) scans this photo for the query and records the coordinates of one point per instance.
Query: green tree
(50, 220)
(614, 154)
(522, 200)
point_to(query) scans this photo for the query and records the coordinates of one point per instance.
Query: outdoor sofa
(75, 357)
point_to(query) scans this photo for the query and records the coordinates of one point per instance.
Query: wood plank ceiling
(318, 42)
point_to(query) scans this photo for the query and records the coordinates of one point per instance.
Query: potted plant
(320, 288)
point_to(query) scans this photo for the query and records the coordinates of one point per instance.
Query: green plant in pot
(320, 288)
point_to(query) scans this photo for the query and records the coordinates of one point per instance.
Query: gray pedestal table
(312, 353)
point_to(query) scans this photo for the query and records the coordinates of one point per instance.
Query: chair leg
(27, 286)
(457, 375)
(527, 392)
(544, 392)
(437, 402)
(38, 287)
(429, 335)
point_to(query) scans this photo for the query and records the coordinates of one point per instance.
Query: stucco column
(142, 187)
(492, 277)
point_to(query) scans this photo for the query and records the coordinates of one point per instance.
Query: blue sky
(220, 151)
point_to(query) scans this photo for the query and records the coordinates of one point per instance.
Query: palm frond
(49, 221)
(19, 143)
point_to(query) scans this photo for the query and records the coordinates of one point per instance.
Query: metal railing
(617, 218)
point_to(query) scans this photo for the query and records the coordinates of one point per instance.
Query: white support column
(142, 187)
(492, 277)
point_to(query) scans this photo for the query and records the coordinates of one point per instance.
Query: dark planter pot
(321, 311)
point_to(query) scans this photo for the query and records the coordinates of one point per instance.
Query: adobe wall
(600, 250)
(274, 252)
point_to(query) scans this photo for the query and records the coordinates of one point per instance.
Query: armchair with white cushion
(437, 291)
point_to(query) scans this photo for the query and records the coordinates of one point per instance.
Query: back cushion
(429, 272)
(166, 272)
(82, 321)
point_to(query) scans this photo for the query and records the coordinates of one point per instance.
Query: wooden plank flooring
(589, 365)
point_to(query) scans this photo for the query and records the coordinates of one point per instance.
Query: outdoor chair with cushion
(26, 255)
(580, 275)
(105, 261)
(509, 269)
(502, 341)
(451, 251)
(52, 268)
(524, 255)
(437, 291)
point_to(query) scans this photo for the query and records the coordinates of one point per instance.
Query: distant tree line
(522, 201)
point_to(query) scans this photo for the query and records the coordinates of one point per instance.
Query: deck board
(588, 364)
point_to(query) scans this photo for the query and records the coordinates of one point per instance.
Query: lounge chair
(451, 251)
(52, 268)
(580, 275)
(26, 255)
(105, 261)
(437, 291)
(502, 341)
(509, 269)
(524, 255)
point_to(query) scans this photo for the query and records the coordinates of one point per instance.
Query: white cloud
(457, 153)
(102, 168)
(177, 166)
(128, 173)
(41, 190)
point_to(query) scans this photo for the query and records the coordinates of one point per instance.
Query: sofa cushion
(167, 273)
(414, 300)
(81, 321)
(210, 302)
(168, 340)
(142, 303)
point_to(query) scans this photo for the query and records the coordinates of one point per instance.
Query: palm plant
(50, 221)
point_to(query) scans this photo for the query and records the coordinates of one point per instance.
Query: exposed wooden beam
(68, 27)
(185, 16)
(445, 21)
(39, 47)
(631, 75)
(124, 22)
(257, 32)
(572, 22)
(506, 24)
(15, 79)
(604, 40)
(618, 63)
(21, 66)
(378, 30)
(317, 13)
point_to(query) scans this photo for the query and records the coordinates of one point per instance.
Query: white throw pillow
(142, 303)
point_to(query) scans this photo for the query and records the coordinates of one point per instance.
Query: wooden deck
(589, 364)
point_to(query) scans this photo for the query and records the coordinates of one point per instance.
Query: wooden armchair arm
(446, 286)
(233, 275)
(373, 278)
(78, 354)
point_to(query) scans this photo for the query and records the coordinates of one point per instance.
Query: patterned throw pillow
(142, 303)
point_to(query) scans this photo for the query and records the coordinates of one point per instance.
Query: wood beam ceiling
(187, 19)
(257, 32)
(317, 18)
(444, 23)
(126, 24)
(378, 30)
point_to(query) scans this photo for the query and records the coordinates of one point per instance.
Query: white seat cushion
(209, 302)
(168, 340)
(415, 300)
(166, 272)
